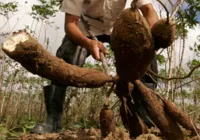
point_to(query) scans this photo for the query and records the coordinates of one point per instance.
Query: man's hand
(94, 47)
(75, 34)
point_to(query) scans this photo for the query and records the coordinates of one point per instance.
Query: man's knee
(150, 85)
(66, 50)
(71, 52)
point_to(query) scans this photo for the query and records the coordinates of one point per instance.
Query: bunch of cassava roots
(134, 45)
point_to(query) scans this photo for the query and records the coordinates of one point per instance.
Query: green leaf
(3, 130)
(3, 137)
(29, 126)
(24, 130)
(161, 59)
(77, 126)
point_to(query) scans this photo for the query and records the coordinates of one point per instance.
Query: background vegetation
(21, 95)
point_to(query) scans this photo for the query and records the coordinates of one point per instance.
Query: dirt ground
(95, 134)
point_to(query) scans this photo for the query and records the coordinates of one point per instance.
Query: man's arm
(75, 34)
(149, 13)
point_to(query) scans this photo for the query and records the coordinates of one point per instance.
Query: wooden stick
(173, 78)
(102, 57)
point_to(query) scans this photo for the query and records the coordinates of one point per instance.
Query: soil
(95, 134)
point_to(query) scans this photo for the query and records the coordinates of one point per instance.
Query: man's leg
(150, 82)
(139, 104)
(55, 94)
(54, 97)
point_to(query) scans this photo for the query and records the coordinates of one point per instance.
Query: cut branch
(187, 83)
(31, 55)
(167, 11)
(173, 78)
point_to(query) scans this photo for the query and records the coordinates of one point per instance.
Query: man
(100, 15)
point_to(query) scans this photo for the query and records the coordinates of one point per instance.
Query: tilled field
(95, 134)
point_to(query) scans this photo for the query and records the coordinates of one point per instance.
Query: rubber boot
(59, 100)
(140, 109)
(54, 98)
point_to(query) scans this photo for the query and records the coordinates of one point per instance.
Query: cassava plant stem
(178, 4)
(102, 57)
(167, 11)
(109, 92)
(173, 78)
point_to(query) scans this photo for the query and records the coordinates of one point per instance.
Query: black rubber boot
(54, 98)
(140, 109)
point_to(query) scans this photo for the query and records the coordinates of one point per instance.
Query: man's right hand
(95, 47)
(75, 34)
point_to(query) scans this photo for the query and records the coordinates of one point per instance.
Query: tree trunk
(170, 70)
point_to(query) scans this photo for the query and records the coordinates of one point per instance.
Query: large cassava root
(163, 121)
(106, 121)
(30, 54)
(163, 32)
(179, 116)
(132, 44)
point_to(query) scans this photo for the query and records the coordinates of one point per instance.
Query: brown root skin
(32, 56)
(178, 115)
(132, 44)
(163, 33)
(106, 121)
(168, 127)
(132, 121)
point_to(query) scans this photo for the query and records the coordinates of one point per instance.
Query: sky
(22, 18)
